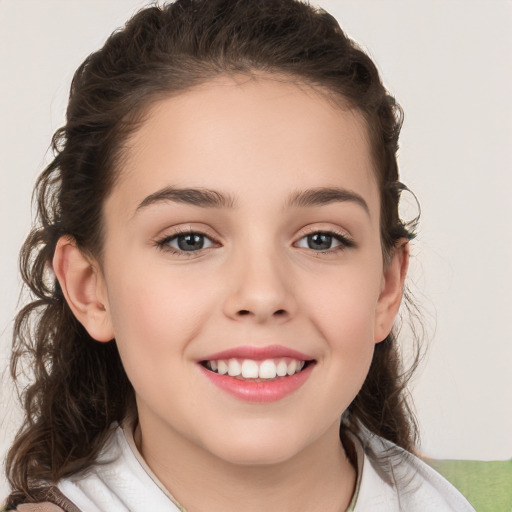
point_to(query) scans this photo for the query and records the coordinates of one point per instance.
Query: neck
(319, 478)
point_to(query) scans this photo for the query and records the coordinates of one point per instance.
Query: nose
(260, 288)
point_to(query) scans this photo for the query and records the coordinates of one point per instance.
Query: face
(243, 237)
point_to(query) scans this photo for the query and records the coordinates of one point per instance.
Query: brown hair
(79, 386)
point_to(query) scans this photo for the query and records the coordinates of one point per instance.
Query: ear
(391, 290)
(84, 288)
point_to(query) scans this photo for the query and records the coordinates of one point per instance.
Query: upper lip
(258, 353)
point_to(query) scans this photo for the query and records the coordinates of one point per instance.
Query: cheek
(154, 322)
(155, 314)
(343, 312)
(343, 304)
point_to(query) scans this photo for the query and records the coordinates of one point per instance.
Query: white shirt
(389, 480)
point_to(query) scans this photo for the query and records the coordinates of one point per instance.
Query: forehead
(247, 135)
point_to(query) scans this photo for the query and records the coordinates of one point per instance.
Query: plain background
(449, 63)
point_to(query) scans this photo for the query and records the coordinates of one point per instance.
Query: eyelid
(311, 230)
(346, 241)
(162, 241)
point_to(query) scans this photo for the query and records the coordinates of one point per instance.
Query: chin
(256, 457)
(258, 449)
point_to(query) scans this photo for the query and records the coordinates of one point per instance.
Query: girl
(218, 266)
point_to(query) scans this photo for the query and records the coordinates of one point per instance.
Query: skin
(257, 282)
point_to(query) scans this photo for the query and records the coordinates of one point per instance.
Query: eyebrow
(208, 198)
(325, 195)
(202, 197)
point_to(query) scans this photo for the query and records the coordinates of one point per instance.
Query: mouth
(258, 374)
(253, 370)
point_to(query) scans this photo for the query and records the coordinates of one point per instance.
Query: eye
(323, 241)
(186, 242)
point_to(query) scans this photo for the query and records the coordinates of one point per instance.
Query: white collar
(389, 480)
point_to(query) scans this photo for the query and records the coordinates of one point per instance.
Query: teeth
(251, 369)
(234, 368)
(292, 367)
(268, 369)
(222, 367)
(281, 369)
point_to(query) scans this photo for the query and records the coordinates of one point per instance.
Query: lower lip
(262, 391)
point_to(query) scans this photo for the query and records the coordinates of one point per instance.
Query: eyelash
(343, 239)
(163, 243)
(344, 242)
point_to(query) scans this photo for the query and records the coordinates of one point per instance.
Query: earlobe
(83, 287)
(392, 290)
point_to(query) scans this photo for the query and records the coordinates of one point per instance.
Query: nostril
(246, 312)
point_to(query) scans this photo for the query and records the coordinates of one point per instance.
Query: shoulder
(47, 498)
(119, 477)
(394, 480)
(116, 479)
(39, 507)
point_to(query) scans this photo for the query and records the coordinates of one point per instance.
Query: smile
(267, 369)
(258, 374)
